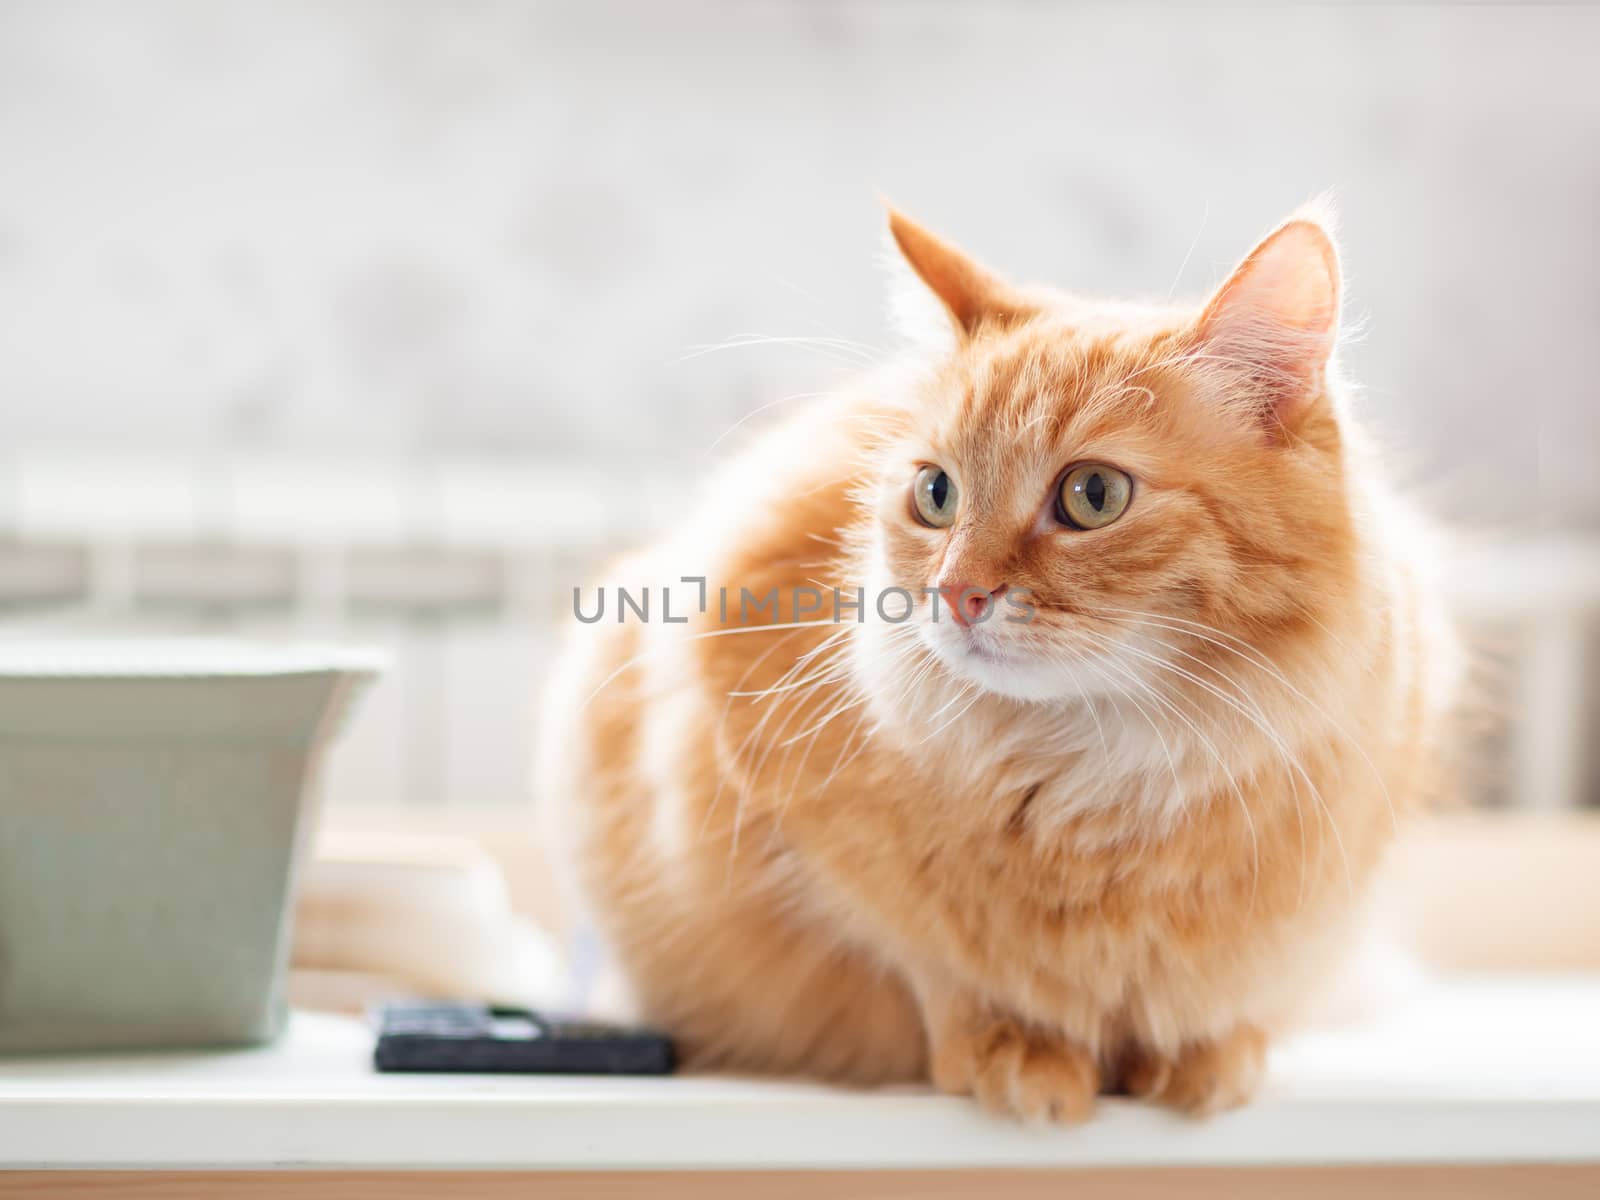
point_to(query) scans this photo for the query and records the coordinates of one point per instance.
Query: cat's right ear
(938, 294)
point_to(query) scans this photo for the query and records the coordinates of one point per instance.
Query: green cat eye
(1092, 496)
(933, 497)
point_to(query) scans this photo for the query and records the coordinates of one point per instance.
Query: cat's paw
(1017, 1072)
(1206, 1077)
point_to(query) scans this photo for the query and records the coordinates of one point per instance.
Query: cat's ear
(1273, 324)
(945, 295)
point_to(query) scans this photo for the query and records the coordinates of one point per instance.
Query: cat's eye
(1092, 496)
(933, 497)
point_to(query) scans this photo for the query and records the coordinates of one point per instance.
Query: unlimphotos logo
(892, 605)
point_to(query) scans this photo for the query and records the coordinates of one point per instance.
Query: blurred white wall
(426, 228)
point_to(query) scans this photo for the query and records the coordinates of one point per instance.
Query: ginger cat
(1098, 814)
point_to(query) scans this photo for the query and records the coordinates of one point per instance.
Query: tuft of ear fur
(966, 292)
(1272, 325)
(915, 313)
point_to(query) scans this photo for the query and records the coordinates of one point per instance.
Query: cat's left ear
(1273, 324)
(947, 295)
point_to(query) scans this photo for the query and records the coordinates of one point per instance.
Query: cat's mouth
(984, 649)
(1026, 667)
(990, 659)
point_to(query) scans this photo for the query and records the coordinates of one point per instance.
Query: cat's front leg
(1204, 1077)
(1007, 1065)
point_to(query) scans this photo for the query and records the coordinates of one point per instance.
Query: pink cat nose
(970, 602)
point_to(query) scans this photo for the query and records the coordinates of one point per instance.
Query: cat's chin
(1017, 673)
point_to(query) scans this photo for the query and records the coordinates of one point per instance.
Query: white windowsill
(1475, 1070)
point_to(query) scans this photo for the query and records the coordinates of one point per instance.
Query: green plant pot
(154, 801)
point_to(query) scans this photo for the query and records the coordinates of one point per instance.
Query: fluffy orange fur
(1113, 847)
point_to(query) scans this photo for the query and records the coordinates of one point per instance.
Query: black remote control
(449, 1036)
